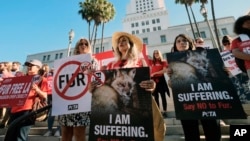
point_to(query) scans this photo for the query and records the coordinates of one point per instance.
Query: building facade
(148, 19)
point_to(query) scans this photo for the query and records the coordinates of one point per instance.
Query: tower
(144, 16)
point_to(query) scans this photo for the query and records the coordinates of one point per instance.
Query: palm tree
(215, 25)
(190, 2)
(190, 22)
(86, 14)
(108, 15)
(98, 12)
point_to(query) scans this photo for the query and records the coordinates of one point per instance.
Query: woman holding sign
(75, 124)
(191, 127)
(39, 88)
(127, 48)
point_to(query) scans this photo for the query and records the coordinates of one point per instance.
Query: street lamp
(71, 36)
(203, 11)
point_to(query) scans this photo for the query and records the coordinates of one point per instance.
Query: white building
(148, 19)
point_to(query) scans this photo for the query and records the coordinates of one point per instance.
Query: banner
(15, 90)
(201, 87)
(70, 85)
(121, 110)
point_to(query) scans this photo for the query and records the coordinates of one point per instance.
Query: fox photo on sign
(70, 85)
(201, 87)
(120, 109)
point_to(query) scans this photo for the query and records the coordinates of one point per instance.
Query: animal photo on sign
(118, 94)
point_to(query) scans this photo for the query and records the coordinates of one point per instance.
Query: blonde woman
(75, 124)
(127, 48)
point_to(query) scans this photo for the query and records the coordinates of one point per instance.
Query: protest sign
(121, 110)
(14, 91)
(201, 87)
(70, 85)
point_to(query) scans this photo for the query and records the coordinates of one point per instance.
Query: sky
(35, 26)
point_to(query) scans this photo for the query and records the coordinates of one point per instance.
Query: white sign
(230, 63)
(70, 85)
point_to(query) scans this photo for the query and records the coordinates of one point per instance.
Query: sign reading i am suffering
(201, 87)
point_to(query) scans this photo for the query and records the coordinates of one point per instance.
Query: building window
(153, 21)
(143, 30)
(145, 40)
(163, 39)
(203, 34)
(48, 58)
(132, 25)
(136, 24)
(148, 29)
(147, 22)
(137, 31)
(159, 27)
(44, 58)
(133, 32)
(154, 28)
(61, 55)
(224, 31)
(97, 50)
(158, 20)
(142, 23)
(56, 57)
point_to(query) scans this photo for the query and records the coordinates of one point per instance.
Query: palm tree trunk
(215, 25)
(190, 20)
(96, 27)
(102, 35)
(195, 21)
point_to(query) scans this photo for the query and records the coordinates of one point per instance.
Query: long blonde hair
(132, 54)
(76, 50)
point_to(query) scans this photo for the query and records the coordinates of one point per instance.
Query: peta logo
(239, 132)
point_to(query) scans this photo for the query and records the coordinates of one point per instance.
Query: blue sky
(34, 26)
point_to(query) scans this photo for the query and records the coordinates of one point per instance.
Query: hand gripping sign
(70, 86)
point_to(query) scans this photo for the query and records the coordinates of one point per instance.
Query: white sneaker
(57, 133)
(48, 133)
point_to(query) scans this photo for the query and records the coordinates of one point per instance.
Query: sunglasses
(226, 44)
(86, 44)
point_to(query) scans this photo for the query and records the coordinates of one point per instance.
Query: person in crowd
(47, 73)
(158, 67)
(211, 128)
(38, 88)
(199, 43)
(242, 28)
(127, 48)
(226, 42)
(74, 125)
(16, 66)
(5, 73)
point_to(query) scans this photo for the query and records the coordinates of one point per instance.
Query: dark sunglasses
(86, 44)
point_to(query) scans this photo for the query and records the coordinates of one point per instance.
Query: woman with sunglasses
(75, 124)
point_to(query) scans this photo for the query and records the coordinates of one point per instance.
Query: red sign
(15, 90)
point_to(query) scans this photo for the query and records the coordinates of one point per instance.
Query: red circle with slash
(62, 92)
